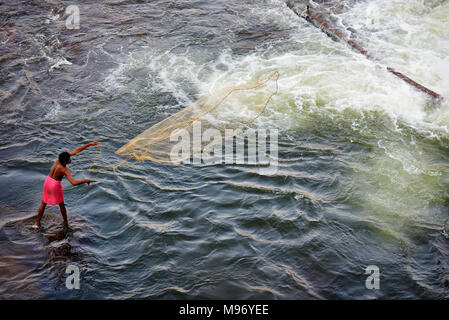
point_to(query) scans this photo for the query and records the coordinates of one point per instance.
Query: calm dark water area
(363, 157)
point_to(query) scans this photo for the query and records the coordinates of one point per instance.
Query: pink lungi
(52, 193)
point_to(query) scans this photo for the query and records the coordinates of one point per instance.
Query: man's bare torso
(57, 171)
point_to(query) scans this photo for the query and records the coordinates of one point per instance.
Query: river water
(363, 157)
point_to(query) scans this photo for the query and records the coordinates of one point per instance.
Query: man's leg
(40, 213)
(63, 213)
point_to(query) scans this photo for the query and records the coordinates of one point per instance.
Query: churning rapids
(363, 157)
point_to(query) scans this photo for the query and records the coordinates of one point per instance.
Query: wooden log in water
(414, 83)
(335, 34)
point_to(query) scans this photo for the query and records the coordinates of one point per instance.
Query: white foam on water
(58, 63)
(411, 36)
(318, 72)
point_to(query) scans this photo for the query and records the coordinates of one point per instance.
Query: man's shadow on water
(61, 242)
(37, 259)
(63, 246)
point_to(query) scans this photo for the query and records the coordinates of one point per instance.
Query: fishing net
(233, 108)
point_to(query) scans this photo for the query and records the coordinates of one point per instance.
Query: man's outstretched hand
(93, 143)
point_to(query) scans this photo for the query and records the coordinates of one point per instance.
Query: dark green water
(363, 157)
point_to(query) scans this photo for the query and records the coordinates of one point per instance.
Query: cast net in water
(234, 108)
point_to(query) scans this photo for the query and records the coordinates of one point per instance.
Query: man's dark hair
(64, 157)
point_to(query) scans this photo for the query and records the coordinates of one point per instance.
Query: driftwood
(307, 14)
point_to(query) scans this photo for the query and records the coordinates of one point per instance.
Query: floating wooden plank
(305, 13)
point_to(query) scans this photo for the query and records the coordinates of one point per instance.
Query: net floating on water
(234, 108)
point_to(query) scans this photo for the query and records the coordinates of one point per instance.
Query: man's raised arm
(93, 143)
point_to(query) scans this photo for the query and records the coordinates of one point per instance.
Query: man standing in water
(52, 193)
